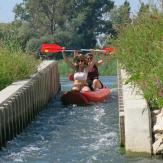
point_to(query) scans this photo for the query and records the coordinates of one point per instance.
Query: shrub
(63, 68)
(140, 47)
(15, 66)
(33, 46)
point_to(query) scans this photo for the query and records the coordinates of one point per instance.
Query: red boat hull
(85, 98)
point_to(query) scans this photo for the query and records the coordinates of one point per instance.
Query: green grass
(15, 66)
(63, 68)
(109, 68)
(140, 52)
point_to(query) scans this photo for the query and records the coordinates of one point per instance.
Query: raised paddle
(105, 50)
(54, 48)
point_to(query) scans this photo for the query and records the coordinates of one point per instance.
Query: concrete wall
(121, 109)
(134, 118)
(23, 100)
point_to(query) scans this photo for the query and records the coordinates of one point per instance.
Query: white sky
(134, 4)
(6, 8)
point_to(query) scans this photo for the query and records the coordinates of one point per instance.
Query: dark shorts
(90, 82)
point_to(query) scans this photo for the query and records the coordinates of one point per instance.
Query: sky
(7, 6)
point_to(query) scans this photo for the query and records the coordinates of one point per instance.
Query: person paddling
(80, 67)
(93, 74)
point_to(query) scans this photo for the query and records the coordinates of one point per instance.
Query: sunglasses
(90, 58)
(80, 60)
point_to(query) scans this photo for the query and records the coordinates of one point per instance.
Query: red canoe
(85, 98)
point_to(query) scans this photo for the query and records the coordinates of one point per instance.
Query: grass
(139, 50)
(15, 66)
(63, 68)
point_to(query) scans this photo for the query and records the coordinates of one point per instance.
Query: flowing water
(72, 134)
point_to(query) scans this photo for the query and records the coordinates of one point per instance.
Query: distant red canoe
(85, 98)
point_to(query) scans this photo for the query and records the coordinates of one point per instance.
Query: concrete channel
(21, 101)
(134, 118)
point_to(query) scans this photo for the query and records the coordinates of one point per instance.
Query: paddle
(105, 50)
(54, 48)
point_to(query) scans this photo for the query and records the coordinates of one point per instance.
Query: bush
(140, 47)
(109, 67)
(63, 68)
(33, 46)
(15, 66)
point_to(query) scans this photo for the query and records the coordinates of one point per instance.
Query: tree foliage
(144, 8)
(139, 50)
(78, 22)
(120, 16)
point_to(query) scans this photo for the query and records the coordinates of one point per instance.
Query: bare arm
(99, 62)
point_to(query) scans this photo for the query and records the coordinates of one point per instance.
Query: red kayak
(85, 98)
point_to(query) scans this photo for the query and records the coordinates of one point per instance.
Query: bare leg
(85, 89)
(96, 84)
(75, 88)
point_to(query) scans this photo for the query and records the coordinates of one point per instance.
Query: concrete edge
(134, 118)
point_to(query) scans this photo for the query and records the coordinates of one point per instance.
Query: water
(72, 134)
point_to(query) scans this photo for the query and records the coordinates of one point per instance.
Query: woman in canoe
(93, 74)
(80, 67)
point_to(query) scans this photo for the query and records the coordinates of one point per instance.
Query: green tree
(77, 21)
(9, 37)
(44, 15)
(120, 16)
(94, 21)
(144, 8)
